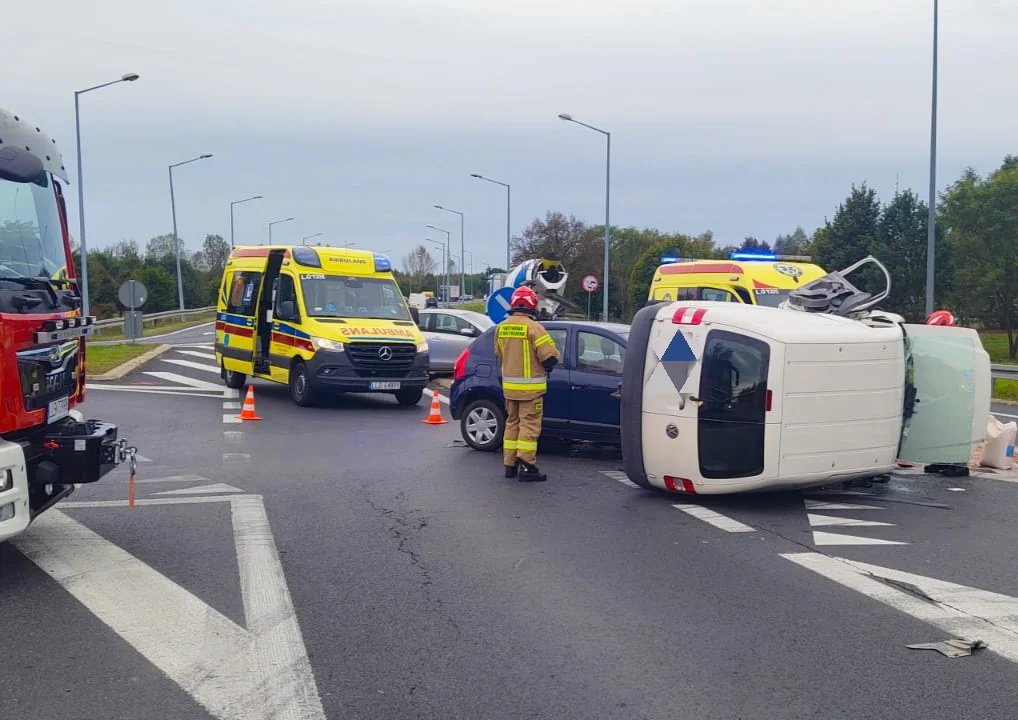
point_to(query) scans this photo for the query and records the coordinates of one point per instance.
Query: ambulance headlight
(326, 344)
(422, 347)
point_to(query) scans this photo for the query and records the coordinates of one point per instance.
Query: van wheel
(483, 425)
(300, 385)
(409, 397)
(233, 379)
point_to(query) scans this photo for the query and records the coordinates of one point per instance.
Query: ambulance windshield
(771, 297)
(31, 238)
(352, 297)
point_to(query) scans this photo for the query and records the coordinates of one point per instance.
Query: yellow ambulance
(319, 320)
(749, 278)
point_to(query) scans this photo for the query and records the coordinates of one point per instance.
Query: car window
(286, 290)
(447, 323)
(598, 353)
(559, 338)
(243, 292)
(717, 295)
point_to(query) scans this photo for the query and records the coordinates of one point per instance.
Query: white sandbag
(998, 450)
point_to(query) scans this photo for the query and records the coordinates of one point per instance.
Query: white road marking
(821, 505)
(198, 353)
(228, 418)
(213, 489)
(231, 393)
(231, 405)
(826, 538)
(233, 672)
(184, 379)
(1000, 414)
(441, 397)
(141, 458)
(958, 610)
(714, 518)
(213, 332)
(71, 504)
(182, 391)
(619, 477)
(171, 479)
(192, 364)
(233, 436)
(825, 520)
(236, 458)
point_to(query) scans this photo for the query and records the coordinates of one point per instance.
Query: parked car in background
(448, 333)
(582, 401)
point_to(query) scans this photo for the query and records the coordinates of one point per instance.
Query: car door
(595, 378)
(556, 399)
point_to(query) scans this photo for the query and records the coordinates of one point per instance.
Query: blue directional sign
(498, 304)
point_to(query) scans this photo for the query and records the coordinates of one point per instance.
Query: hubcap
(300, 383)
(482, 425)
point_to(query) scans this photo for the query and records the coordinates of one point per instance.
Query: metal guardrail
(1004, 372)
(154, 318)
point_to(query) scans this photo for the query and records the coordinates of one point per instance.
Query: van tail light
(680, 485)
(688, 316)
(769, 398)
(459, 370)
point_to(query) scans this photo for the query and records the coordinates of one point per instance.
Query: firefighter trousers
(522, 428)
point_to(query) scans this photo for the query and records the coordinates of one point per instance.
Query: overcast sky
(738, 116)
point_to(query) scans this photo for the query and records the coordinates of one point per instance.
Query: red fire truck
(47, 447)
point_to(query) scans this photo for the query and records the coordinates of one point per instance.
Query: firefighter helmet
(524, 299)
(940, 317)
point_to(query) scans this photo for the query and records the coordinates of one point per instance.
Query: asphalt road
(427, 586)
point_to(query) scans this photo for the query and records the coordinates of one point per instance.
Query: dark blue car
(581, 402)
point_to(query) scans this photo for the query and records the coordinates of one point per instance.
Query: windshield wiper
(39, 283)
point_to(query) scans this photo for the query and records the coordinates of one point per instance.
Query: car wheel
(233, 379)
(482, 425)
(300, 385)
(409, 397)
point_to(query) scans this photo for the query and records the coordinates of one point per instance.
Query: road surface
(395, 574)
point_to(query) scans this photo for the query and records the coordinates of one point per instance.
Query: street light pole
(176, 238)
(508, 209)
(931, 221)
(439, 207)
(308, 237)
(445, 262)
(238, 202)
(129, 77)
(607, 203)
(277, 222)
(471, 276)
(449, 251)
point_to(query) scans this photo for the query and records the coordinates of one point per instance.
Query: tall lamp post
(607, 201)
(176, 238)
(931, 221)
(471, 254)
(308, 237)
(129, 77)
(448, 250)
(457, 212)
(508, 208)
(238, 202)
(277, 222)
(444, 261)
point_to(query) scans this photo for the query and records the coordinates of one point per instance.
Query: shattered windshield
(31, 239)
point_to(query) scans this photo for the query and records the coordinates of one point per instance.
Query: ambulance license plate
(383, 386)
(57, 409)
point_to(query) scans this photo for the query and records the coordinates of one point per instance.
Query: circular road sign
(132, 294)
(590, 283)
(498, 304)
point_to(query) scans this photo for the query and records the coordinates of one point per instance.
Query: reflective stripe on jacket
(522, 344)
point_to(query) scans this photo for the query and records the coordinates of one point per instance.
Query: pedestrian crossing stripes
(823, 538)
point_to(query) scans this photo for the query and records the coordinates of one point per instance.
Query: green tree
(980, 219)
(850, 236)
(702, 246)
(212, 257)
(795, 243)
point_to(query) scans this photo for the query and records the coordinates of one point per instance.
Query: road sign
(498, 304)
(132, 294)
(590, 283)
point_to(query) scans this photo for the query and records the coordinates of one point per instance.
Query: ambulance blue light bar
(668, 259)
(752, 256)
(382, 264)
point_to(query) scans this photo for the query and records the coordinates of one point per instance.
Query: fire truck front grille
(47, 373)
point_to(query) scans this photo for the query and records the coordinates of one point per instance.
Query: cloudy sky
(355, 117)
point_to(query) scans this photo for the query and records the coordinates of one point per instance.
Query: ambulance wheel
(409, 397)
(483, 425)
(234, 379)
(300, 385)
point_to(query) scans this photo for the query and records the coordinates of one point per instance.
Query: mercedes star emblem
(385, 353)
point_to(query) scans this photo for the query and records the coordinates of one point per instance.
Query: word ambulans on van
(750, 278)
(790, 397)
(320, 320)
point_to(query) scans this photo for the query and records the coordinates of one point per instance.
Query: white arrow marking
(233, 673)
(184, 380)
(213, 489)
(194, 365)
(958, 610)
(821, 505)
(198, 354)
(824, 520)
(826, 538)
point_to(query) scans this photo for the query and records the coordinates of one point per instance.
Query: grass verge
(477, 306)
(103, 358)
(160, 329)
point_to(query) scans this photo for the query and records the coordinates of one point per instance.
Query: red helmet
(940, 317)
(525, 299)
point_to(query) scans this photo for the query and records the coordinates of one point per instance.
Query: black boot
(510, 471)
(530, 473)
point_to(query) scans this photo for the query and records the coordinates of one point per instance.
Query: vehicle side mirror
(19, 165)
(415, 315)
(468, 332)
(287, 310)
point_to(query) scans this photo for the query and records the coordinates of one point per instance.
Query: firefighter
(526, 354)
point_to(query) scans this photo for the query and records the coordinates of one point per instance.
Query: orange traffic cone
(435, 416)
(248, 412)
